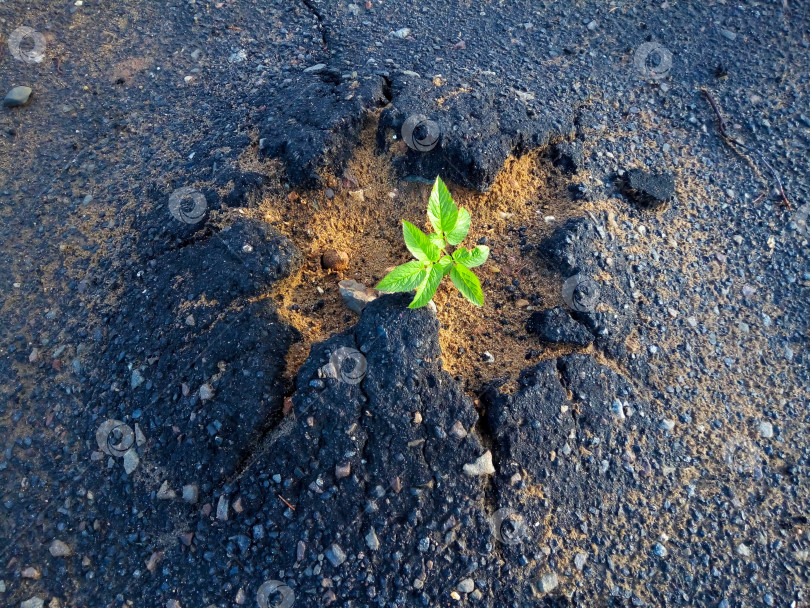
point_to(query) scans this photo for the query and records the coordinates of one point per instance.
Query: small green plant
(434, 259)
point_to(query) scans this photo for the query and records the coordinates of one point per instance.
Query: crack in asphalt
(310, 6)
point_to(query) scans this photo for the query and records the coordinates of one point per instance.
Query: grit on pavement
(160, 447)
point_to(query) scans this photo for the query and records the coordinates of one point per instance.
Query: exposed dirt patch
(527, 201)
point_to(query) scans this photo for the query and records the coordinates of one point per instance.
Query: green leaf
(442, 211)
(462, 227)
(467, 283)
(419, 244)
(472, 257)
(446, 263)
(437, 240)
(403, 278)
(427, 287)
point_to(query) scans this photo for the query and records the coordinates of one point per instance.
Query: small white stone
(131, 461)
(372, 542)
(482, 466)
(137, 379)
(59, 549)
(31, 572)
(191, 493)
(466, 586)
(206, 392)
(222, 508)
(140, 439)
(457, 430)
(165, 492)
(667, 425)
(766, 430)
(548, 582)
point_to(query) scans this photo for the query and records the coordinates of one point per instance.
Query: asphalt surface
(666, 464)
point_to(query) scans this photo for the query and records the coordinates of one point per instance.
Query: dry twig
(731, 141)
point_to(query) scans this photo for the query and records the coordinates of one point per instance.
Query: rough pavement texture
(557, 326)
(701, 320)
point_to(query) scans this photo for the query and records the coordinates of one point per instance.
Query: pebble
(579, 561)
(660, 550)
(335, 260)
(136, 380)
(165, 492)
(153, 560)
(766, 430)
(466, 586)
(222, 508)
(667, 425)
(356, 295)
(34, 602)
(335, 555)
(59, 549)
(482, 466)
(31, 572)
(191, 493)
(18, 96)
(314, 69)
(372, 542)
(457, 430)
(402, 32)
(131, 461)
(206, 392)
(343, 470)
(548, 582)
(617, 409)
(238, 57)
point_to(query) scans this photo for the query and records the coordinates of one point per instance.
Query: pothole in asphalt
(361, 216)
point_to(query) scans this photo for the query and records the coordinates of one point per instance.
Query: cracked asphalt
(664, 462)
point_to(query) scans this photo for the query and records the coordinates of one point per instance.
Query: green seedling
(434, 257)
